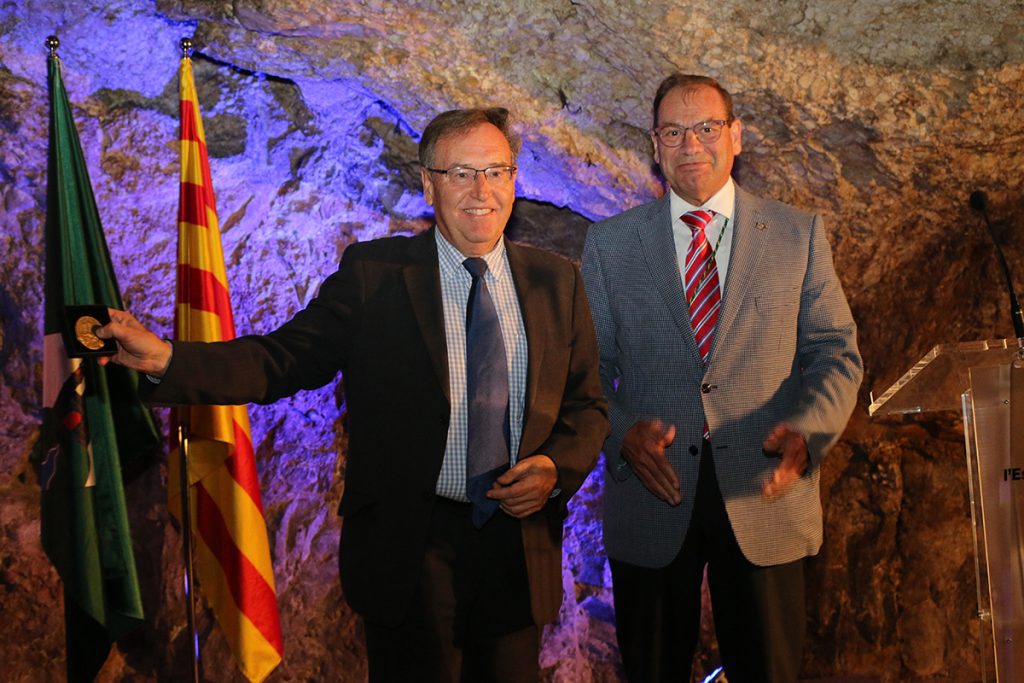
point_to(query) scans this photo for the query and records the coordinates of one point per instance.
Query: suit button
(693, 450)
(705, 388)
(443, 420)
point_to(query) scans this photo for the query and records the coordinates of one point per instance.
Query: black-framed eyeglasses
(706, 132)
(466, 175)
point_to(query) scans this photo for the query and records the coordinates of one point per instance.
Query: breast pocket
(778, 314)
(781, 304)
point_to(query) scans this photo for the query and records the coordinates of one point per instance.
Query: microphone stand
(979, 202)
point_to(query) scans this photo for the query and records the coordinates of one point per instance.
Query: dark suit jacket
(379, 319)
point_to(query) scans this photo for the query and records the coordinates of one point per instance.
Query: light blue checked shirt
(455, 284)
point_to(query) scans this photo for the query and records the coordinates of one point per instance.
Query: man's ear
(428, 186)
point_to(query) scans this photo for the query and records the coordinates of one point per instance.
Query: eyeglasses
(461, 176)
(706, 132)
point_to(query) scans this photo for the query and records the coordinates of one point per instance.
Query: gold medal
(85, 333)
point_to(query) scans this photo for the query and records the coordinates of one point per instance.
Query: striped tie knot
(698, 220)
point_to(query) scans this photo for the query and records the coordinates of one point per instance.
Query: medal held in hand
(80, 325)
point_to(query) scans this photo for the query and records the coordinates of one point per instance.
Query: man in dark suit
(729, 356)
(449, 589)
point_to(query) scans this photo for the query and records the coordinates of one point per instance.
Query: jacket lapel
(750, 236)
(659, 250)
(423, 282)
(536, 318)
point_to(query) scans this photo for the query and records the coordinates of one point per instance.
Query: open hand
(644, 449)
(790, 447)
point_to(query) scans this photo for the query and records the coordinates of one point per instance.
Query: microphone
(979, 202)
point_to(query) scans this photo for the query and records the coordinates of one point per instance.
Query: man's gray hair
(458, 120)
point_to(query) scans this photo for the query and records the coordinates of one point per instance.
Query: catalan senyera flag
(93, 421)
(232, 560)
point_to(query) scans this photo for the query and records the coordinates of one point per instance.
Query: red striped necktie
(703, 294)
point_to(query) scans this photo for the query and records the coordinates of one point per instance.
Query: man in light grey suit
(719, 422)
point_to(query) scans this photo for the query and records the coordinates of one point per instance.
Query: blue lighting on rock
(714, 676)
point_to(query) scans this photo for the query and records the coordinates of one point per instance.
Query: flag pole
(186, 544)
(186, 508)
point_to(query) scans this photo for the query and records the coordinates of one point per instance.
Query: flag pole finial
(52, 43)
(186, 47)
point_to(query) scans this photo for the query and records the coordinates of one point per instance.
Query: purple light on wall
(300, 168)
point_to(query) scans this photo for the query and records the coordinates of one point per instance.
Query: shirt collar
(450, 258)
(722, 202)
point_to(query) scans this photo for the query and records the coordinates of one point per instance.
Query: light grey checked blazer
(785, 349)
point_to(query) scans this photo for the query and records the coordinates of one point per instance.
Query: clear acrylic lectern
(985, 380)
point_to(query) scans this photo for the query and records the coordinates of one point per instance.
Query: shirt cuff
(157, 380)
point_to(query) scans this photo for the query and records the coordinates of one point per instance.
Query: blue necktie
(487, 443)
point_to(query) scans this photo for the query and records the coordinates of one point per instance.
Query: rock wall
(883, 116)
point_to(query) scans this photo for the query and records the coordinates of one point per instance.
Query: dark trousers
(470, 619)
(759, 612)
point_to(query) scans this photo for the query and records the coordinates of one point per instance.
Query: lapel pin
(761, 226)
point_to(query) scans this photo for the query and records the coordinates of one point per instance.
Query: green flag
(92, 417)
